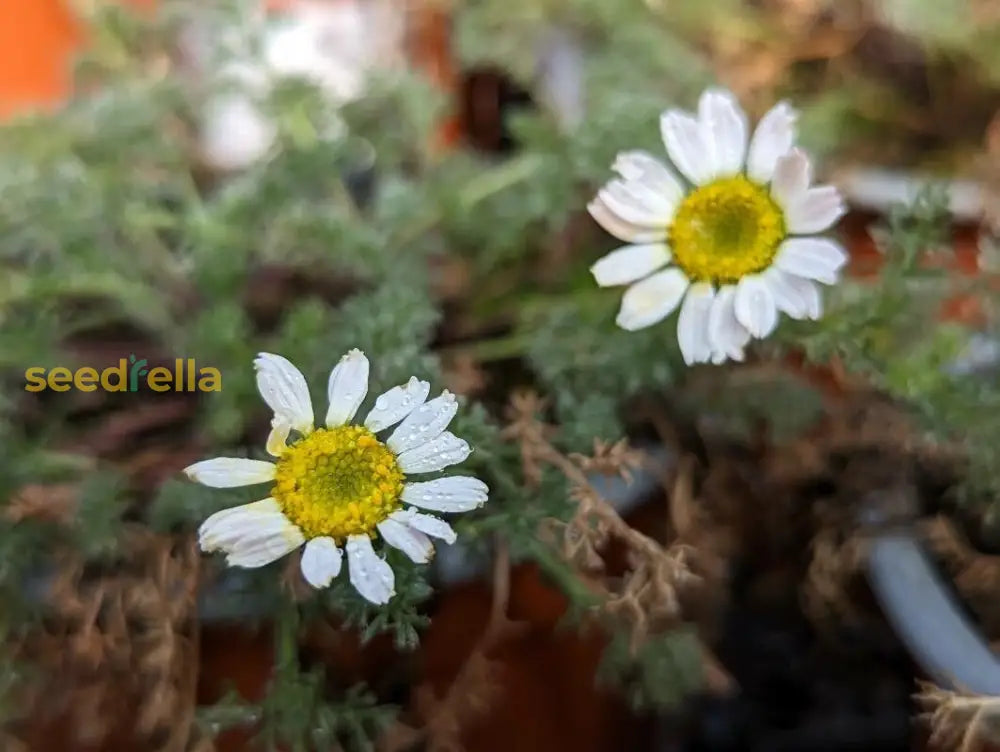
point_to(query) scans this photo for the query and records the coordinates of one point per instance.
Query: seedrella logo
(129, 375)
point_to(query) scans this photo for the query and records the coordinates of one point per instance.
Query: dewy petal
(321, 562)
(692, 324)
(230, 472)
(457, 493)
(346, 388)
(754, 306)
(371, 576)
(815, 211)
(228, 525)
(651, 299)
(284, 389)
(615, 225)
(413, 543)
(724, 128)
(425, 523)
(643, 168)
(425, 423)
(792, 175)
(277, 439)
(629, 264)
(252, 535)
(395, 404)
(813, 258)
(726, 335)
(437, 454)
(686, 144)
(773, 138)
(260, 551)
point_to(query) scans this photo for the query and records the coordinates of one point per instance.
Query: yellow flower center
(725, 230)
(338, 482)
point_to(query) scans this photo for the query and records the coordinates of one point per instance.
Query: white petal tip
(630, 324)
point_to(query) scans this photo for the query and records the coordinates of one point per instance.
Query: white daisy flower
(334, 488)
(732, 249)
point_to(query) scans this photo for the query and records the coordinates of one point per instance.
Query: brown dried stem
(959, 722)
(646, 598)
(474, 686)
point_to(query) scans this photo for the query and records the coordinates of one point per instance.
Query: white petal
(815, 211)
(252, 534)
(773, 138)
(321, 561)
(284, 389)
(798, 297)
(425, 523)
(395, 404)
(652, 299)
(630, 233)
(719, 357)
(235, 133)
(413, 543)
(686, 145)
(425, 423)
(754, 306)
(229, 524)
(277, 439)
(724, 125)
(229, 472)
(813, 297)
(787, 292)
(629, 263)
(346, 388)
(792, 175)
(726, 335)
(457, 493)
(637, 204)
(692, 324)
(437, 454)
(643, 168)
(370, 574)
(813, 258)
(260, 552)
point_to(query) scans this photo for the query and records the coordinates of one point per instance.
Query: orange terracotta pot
(38, 39)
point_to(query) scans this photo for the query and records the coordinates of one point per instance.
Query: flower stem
(286, 637)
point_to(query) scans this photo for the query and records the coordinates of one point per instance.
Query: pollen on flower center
(725, 230)
(338, 482)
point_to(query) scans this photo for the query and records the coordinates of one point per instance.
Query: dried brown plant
(959, 721)
(835, 565)
(118, 647)
(647, 599)
(976, 575)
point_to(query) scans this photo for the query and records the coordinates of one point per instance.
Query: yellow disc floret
(338, 482)
(725, 230)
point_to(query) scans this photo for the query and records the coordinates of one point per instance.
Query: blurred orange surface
(38, 39)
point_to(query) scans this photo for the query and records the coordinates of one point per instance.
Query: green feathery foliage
(108, 223)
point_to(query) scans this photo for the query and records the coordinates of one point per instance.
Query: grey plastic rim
(927, 617)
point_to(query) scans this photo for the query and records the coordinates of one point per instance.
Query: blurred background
(207, 180)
